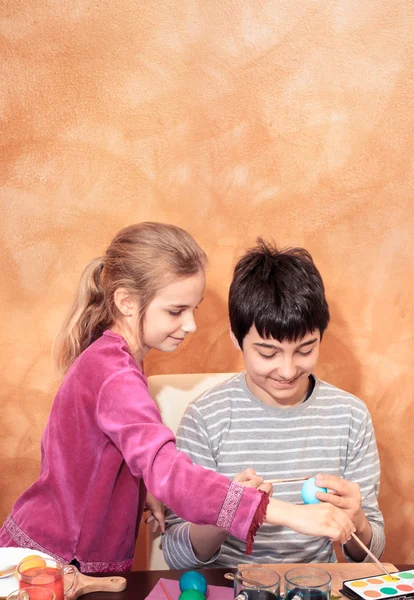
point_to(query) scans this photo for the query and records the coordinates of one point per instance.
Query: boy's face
(278, 372)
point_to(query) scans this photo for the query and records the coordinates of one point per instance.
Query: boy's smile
(283, 384)
(278, 372)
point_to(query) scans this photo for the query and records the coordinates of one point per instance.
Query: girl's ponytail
(87, 319)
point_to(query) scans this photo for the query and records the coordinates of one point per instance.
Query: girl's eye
(174, 313)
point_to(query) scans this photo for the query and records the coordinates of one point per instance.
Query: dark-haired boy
(280, 419)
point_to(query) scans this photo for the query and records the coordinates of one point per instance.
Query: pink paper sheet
(214, 592)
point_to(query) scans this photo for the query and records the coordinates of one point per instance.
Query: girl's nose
(189, 325)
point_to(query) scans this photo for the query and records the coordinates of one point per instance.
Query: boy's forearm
(206, 540)
(364, 533)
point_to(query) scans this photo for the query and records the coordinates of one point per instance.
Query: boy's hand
(157, 516)
(321, 520)
(347, 496)
(249, 478)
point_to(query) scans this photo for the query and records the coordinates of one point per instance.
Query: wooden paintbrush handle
(287, 480)
(374, 558)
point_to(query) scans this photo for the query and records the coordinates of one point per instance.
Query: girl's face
(170, 315)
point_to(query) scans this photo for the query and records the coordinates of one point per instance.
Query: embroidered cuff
(230, 505)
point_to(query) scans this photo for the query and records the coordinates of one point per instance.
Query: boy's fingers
(333, 482)
(332, 499)
(342, 502)
(345, 523)
(336, 534)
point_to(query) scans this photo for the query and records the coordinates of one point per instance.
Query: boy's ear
(234, 340)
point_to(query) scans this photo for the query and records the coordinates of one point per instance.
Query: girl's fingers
(161, 522)
(248, 478)
(255, 482)
(266, 487)
(154, 527)
(156, 521)
(248, 473)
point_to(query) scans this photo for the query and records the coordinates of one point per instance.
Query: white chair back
(172, 394)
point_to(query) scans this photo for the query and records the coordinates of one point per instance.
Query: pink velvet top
(103, 446)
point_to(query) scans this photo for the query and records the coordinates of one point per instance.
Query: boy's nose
(287, 370)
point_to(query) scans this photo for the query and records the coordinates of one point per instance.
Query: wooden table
(140, 583)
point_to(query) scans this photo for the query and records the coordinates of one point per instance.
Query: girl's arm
(129, 417)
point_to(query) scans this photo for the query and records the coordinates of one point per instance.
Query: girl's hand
(157, 516)
(249, 478)
(343, 494)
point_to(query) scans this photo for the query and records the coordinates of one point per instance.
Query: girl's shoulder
(106, 357)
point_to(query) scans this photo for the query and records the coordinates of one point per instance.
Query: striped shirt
(228, 429)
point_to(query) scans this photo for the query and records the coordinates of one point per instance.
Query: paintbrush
(287, 480)
(374, 558)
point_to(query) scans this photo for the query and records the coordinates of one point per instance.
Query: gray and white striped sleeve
(363, 467)
(193, 439)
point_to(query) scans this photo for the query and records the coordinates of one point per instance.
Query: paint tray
(379, 587)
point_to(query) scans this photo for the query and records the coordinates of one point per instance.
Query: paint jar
(256, 583)
(307, 583)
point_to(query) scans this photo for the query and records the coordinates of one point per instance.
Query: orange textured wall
(231, 119)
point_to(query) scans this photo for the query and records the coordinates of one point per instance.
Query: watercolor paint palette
(381, 587)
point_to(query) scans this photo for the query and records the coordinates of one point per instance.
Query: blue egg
(193, 580)
(309, 490)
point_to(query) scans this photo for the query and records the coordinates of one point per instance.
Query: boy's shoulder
(328, 392)
(221, 394)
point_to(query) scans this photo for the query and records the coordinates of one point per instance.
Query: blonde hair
(142, 258)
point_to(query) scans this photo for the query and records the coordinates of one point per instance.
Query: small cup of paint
(307, 583)
(256, 583)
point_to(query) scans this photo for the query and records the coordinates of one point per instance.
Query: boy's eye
(267, 355)
(305, 353)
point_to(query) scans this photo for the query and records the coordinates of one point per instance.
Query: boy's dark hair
(281, 292)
